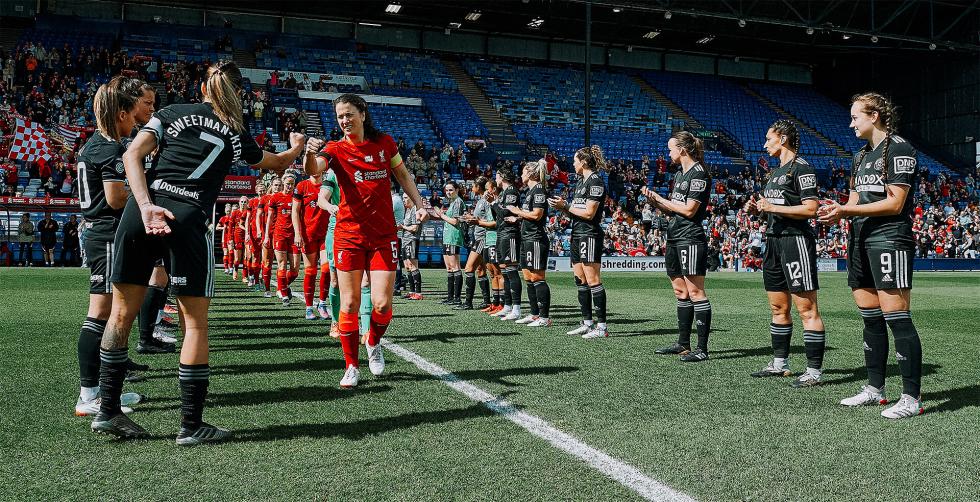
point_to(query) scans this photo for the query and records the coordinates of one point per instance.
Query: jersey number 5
(218, 147)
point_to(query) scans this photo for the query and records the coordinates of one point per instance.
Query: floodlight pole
(588, 73)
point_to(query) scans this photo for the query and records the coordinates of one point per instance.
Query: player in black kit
(533, 214)
(880, 250)
(585, 212)
(687, 244)
(790, 264)
(508, 243)
(197, 145)
(102, 195)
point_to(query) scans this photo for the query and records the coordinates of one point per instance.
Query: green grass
(706, 429)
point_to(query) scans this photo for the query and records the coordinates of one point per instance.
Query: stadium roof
(781, 29)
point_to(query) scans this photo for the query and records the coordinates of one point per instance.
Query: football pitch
(526, 414)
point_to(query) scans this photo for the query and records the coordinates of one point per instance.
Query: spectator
(70, 243)
(48, 228)
(25, 233)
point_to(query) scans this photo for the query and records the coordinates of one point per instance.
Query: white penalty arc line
(627, 475)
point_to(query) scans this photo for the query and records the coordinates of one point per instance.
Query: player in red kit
(238, 231)
(281, 204)
(364, 237)
(227, 248)
(254, 228)
(267, 253)
(310, 223)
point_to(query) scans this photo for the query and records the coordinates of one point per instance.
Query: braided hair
(592, 156)
(888, 117)
(784, 127)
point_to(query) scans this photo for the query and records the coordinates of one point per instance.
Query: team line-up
(348, 222)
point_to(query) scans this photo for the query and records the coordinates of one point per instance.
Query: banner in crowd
(258, 76)
(614, 264)
(30, 143)
(244, 185)
(39, 201)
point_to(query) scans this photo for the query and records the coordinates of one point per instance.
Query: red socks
(267, 276)
(281, 281)
(349, 339)
(309, 285)
(379, 324)
(291, 276)
(324, 281)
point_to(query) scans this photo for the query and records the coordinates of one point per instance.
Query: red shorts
(256, 245)
(348, 258)
(237, 245)
(285, 245)
(313, 246)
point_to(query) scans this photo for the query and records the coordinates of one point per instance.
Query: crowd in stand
(55, 85)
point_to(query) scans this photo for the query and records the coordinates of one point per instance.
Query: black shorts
(586, 249)
(99, 255)
(48, 245)
(490, 254)
(534, 254)
(477, 246)
(410, 250)
(189, 248)
(507, 248)
(450, 250)
(790, 264)
(879, 266)
(686, 259)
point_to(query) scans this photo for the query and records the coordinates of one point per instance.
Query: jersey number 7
(218, 147)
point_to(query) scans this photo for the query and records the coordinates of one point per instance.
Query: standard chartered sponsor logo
(360, 176)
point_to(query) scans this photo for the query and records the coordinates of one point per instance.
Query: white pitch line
(627, 475)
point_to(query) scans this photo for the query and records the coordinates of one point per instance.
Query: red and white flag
(30, 142)
(68, 133)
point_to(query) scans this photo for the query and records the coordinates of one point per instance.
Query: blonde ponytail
(223, 85)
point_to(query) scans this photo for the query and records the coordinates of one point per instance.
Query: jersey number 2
(218, 147)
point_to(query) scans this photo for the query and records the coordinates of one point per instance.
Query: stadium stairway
(675, 111)
(313, 125)
(13, 28)
(499, 130)
(244, 58)
(780, 110)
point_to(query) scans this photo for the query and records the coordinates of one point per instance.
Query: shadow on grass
(360, 429)
(497, 376)
(954, 399)
(308, 365)
(301, 394)
(287, 332)
(662, 332)
(282, 345)
(860, 374)
(447, 337)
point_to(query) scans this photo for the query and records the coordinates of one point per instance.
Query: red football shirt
(315, 220)
(282, 206)
(227, 231)
(364, 177)
(237, 223)
(255, 222)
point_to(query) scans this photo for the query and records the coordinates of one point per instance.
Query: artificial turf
(706, 429)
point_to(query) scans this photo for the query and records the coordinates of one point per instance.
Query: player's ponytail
(888, 117)
(223, 87)
(507, 176)
(481, 183)
(370, 131)
(114, 97)
(592, 156)
(538, 172)
(692, 144)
